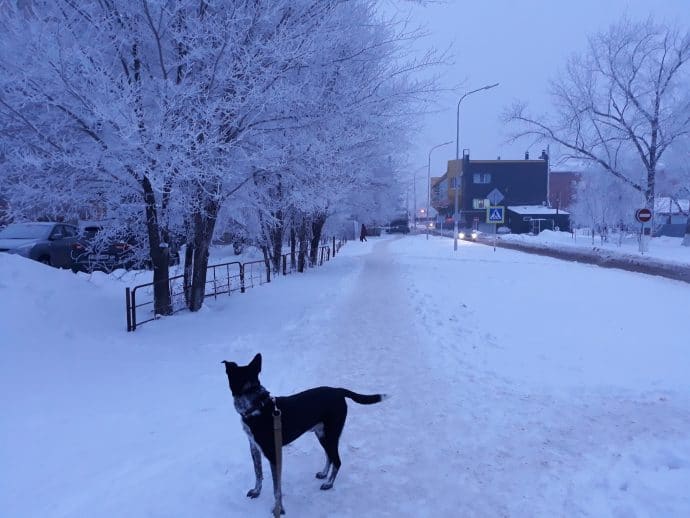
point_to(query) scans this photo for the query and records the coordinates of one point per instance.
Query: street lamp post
(428, 183)
(414, 196)
(457, 158)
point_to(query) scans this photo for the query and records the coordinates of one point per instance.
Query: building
(562, 188)
(521, 182)
(670, 216)
(532, 219)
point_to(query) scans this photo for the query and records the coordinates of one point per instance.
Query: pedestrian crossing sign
(495, 214)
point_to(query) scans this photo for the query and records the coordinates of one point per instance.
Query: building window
(480, 203)
(481, 178)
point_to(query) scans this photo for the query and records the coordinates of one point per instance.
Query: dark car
(469, 234)
(51, 243)
(93, 252)
(398, 226)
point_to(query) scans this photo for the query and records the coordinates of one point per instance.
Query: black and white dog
(322, 410)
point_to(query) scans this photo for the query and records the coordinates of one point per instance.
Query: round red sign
(643, 215)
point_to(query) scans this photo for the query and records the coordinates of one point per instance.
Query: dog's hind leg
(329, 442)
(318, 431)
(334, 459)
(324, 473)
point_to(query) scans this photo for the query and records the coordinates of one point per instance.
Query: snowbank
(662, 250)
(522, 386)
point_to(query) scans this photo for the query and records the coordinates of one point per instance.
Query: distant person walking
(363, 233)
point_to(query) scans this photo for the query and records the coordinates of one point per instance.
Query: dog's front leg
(277, 491)
(256, 458)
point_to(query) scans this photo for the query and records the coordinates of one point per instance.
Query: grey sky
(521, 44)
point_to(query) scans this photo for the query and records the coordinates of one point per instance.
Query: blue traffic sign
(495, 214)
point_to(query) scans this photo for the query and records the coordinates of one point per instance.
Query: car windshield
(26, 231)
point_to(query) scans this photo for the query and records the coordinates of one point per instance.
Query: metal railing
(224, 278)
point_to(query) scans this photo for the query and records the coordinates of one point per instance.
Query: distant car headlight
(474, 235)
(461, 235)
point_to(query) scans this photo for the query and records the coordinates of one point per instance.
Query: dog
(322, 410)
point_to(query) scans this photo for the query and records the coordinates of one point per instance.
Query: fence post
(129, 311)
(328, 253)
(333, 246)
(241, 278)
(134, 309)
(268, 272)
(215, 285)
(285, 264)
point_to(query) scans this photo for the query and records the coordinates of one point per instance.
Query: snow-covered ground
(522, 386)
(661, 249)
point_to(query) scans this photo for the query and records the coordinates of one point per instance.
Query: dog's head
(243, 379)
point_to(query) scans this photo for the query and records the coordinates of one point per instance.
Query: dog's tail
(363, 399)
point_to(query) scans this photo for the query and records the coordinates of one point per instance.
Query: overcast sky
(519, 44)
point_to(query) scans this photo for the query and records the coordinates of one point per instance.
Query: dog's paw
(253, 493)
(282, 511)
(321, 475)
(326, 486)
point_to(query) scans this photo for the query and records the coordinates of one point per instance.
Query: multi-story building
(521, 182)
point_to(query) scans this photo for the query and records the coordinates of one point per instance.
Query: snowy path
(399, 467)
(521, 386)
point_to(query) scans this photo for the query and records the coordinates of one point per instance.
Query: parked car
(92, 253)
(399, 226)
(235, 235)
(50, 243)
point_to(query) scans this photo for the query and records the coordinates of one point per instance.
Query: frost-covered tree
(603, 202)
(625, 97)
(153, 116)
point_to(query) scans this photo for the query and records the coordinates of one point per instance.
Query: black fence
(221, 279)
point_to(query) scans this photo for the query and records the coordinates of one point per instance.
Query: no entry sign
(643, 215)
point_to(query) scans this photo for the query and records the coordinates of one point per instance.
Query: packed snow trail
(396, 454)
(521, 386)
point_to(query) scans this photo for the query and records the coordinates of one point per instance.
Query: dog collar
(256, 410)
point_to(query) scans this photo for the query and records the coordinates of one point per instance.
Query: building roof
(667, 205)
(540, 210)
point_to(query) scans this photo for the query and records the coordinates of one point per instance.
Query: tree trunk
(316, 228)
(293, 246)
(267, 261)
(277, 240)
(204, 225)
(302, 257)
(188, 267)
(159, 251)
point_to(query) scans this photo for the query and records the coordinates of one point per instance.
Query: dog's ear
(255, 364)
(229, 365)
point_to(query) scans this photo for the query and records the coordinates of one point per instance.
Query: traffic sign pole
(643, 216)
(495, 215)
